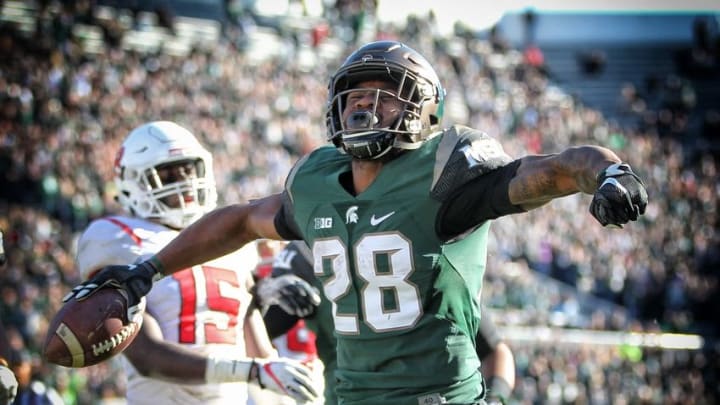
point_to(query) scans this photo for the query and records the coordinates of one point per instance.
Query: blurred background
(594, 316)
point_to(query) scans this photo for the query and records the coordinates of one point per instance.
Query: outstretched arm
(219, 233)
(540, 179)
(619, 195)
(214, 235)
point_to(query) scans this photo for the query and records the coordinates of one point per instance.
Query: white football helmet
(140, 188)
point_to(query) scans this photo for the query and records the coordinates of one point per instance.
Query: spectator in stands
(30, 389)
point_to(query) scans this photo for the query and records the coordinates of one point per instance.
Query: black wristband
(156, 265)
(499, 388)
(254, 373)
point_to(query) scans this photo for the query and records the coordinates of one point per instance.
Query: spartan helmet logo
(351, 216)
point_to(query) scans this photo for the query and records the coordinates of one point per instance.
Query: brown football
(87, 332)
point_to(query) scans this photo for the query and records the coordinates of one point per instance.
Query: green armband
(158, 266)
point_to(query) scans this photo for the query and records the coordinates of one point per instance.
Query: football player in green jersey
(396, 212)
(498, 363)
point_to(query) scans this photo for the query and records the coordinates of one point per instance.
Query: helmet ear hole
(144, 206)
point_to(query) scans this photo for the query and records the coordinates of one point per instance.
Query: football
(87, 332)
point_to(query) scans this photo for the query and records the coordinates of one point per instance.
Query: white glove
(293, 294)
(8, 386)
(283, 376)
(286, 377)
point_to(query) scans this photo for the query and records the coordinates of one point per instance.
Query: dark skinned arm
(168, 361)
(220, 232)
(540, 179)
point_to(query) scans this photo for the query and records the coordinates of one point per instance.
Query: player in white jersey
(202, 338)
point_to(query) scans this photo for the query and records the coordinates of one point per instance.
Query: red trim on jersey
(125, 229)
(186, 332)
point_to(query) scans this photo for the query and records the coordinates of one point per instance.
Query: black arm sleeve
(480, 199)
(284, 223)
(278, 322)
(294, 259)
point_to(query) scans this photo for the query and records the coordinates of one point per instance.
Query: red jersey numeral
(217, 288)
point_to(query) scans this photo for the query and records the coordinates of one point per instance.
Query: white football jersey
(203, 307)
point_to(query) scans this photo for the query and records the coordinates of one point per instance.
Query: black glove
(136, 280)
(620, 197)
(293, 294)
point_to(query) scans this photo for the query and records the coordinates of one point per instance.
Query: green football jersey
(404, 301)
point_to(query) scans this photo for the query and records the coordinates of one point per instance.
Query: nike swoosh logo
(376, 221)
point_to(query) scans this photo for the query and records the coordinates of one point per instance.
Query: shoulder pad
(102, 244)
(464, 154)
(314, 161)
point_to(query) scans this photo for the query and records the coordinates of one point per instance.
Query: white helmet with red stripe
(176, 200)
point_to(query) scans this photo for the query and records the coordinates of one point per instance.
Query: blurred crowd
(63, 114)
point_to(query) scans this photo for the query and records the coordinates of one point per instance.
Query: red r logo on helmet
(118, 157)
